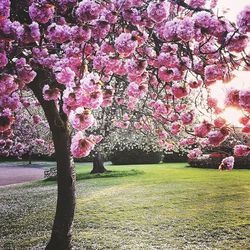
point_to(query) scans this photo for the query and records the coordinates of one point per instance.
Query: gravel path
(12, 174)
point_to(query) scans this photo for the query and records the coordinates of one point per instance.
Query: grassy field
(164, 206)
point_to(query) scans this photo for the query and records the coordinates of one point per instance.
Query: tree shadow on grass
(108, 174)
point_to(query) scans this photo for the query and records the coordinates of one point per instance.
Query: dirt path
(10, 174)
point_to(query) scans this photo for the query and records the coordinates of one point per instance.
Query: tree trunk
(62, 227)
(65, 209)
(98, 165)
(30, 158)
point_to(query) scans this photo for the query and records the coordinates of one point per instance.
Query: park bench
(50, 173)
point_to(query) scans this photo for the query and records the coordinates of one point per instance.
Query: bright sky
(232, 6)
(242, 79)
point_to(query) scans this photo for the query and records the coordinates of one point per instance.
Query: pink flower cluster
(243, 20)
(227, 163)
(126, 44)
(194, 153)
(7, 84)
(179, 91)
(216, 137)
(137, 91)
(196, 3)
(241, 150)
(158, 12)
(50, 94)
(4, 9)
(244, 99)
(202, 129)
(65, 76)
(24, 71)
(3, 59)
(88, 10)
(214, 72)
(185, 29)
(81, 146)
(108, 93)
(81, 119)
(187, 118)
(219, 122)
(59, 33)
(41, 11)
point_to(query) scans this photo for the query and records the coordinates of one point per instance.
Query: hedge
(175, 157)
(214, 162)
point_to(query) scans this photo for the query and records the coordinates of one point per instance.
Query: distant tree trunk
(98, 164)
(65, 209)
(30, 153)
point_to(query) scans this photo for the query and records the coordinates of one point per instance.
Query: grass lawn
(164, 206)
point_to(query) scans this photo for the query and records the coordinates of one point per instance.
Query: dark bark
(58, 122)
(98, 165)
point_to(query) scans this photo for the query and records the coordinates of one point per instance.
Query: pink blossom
(137, 91)
(65, 76)
(158, 12)
(50, 94)
(81, 146)
(188, 141)
(41, 12)
(214, 72)
(168, 31)
(185, 29)
(125, 44)
(243, 20)
(236, 42)
(3, 59)
(227, 163)
(232, 97)
(166, 74)
(122, 124)
(196, 3)
(175, 128)
(219, 122)
(7, 84)
(216, 137)
(81, 119)
(244, 120)
(195, 84)
(246, 129)
(168, 60)
(136, 67)
(212, 102)
(241, 150)
(108, 96)
(194, 153)
(244, 99)
(4, 9)
(24, 72)
(36, 119)
(187, 118)
(80, 34)
(88, 10)
(58, 33)
(179, 91)
(202, 129)
(5, 122)
(31, 33)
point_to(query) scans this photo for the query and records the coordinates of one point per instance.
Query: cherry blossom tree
(165, 54)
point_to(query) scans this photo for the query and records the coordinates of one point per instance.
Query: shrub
(213, 161)
(175, 157)
(135, 156)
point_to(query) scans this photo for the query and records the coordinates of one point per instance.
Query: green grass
(166, 206)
